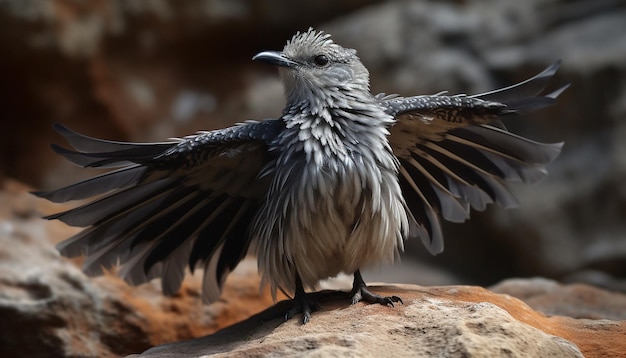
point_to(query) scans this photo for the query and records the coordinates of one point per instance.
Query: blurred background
(146, 70)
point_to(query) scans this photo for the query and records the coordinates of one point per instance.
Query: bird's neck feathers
(335, 108)
(334, 123)
(311, 92)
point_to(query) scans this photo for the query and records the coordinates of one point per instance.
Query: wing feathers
(456, 154)
(525, 89)
(99, 210)
(120, 178)
(87, 144)
(425, 217)
(92, 152)
(169, 205)
(501, 141)
(118, 158)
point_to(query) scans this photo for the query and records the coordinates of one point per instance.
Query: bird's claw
(304, 305)
(388, 301)
(363, 294)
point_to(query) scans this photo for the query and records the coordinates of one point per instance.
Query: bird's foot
(304, 304)
(365, 295)
(360, 292)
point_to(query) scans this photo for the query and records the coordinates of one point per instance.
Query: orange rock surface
(451, 321)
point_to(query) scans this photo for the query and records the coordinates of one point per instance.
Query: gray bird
(337, 183)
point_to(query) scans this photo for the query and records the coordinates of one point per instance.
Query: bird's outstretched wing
(169, 204)
(455, 153)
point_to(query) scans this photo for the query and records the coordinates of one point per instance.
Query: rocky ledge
(447, 321)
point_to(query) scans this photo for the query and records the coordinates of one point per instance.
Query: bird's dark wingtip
(554, 94)
(61, 150)
(60, 128)
(553, 68)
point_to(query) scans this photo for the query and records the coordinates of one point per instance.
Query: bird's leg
(361, 293)
(303, 303)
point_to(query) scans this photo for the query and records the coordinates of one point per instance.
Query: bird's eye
(320, 60)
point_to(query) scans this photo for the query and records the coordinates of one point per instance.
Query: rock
(574, 300)
(451, 321)
(48, 308)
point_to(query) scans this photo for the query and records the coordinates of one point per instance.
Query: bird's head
(313, 67)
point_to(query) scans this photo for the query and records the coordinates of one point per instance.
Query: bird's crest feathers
(310, 37)
(313, 42)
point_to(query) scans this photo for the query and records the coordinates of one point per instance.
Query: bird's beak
(274, 58)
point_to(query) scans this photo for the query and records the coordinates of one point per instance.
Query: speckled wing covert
(163, 197)
(455, 153)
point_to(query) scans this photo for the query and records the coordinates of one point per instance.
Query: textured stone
(450, 321)
(48, 308)
(574, 300)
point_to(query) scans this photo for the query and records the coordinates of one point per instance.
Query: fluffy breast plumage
(330, 215)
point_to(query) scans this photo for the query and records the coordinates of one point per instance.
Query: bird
(336, 183)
